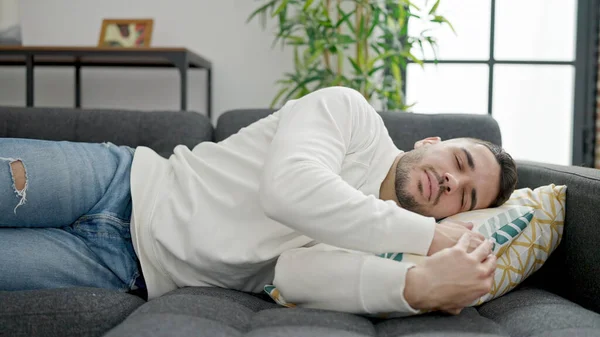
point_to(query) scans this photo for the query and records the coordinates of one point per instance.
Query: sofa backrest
(159, 130)
(404, 128)
(163, 130)
(573, 269)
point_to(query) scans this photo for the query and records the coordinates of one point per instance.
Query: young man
(304, 197)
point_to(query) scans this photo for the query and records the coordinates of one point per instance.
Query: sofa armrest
(573, 270)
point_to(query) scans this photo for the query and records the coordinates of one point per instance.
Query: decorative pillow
(530, 250)
(526, 230)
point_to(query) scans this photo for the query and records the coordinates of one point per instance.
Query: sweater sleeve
(301, 186)
(325, 277)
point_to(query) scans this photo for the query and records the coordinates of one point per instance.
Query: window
(526, 63)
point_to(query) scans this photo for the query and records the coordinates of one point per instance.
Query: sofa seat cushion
(220, 312)
(536, 312)
(64, 312)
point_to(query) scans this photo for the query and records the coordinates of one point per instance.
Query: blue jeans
(69, 225)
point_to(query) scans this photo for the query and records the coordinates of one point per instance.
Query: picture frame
(126, 33)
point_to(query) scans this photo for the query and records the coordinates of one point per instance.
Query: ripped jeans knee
(52, 184)
(19, 179)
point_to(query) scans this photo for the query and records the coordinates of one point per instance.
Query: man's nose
(450, 182)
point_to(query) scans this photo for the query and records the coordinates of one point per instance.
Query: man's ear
(427, 141)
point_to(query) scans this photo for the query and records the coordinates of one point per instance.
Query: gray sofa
(562, 299)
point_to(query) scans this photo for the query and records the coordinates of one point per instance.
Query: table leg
(77, 84)
(209, 92)
(29, 79)
(183, 85)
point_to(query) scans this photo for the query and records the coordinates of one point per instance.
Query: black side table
(152, 57)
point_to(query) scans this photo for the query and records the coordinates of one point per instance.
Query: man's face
(440, 179)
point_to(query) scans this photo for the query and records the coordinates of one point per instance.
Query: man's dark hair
(508, 171)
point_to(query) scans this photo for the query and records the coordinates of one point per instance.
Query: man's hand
(447, 233)
(451, 279)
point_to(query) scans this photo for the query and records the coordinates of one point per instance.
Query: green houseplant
(362, 44)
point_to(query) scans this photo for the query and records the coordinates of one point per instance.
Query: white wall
(245, 66)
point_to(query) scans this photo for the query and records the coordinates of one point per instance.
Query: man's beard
(406, 164)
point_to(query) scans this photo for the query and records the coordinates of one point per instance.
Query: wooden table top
(99, 56)
(93, 49)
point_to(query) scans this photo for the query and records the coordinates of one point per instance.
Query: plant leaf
(410, 4)
(296, 40)
(441, 19)
(421, 47)
(284, 82)
(385, 55)
(300, 85)
(375, 23)
(281, 7)
(261, 10)
(398, 79)
(344, 18)
(409, 55)
(355, 65)
(376, 69)
(345, 39)
(307, 4)
(312, 58)
(434, 8)
(361, 28)
(278, 96)
(375, 48)
(297, 63)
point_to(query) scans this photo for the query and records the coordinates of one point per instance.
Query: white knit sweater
(290, 200)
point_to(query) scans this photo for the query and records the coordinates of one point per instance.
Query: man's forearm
(324, 277)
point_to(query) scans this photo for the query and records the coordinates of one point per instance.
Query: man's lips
(429, 185)
(430, 188)
(426, 186)
(435, 186)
